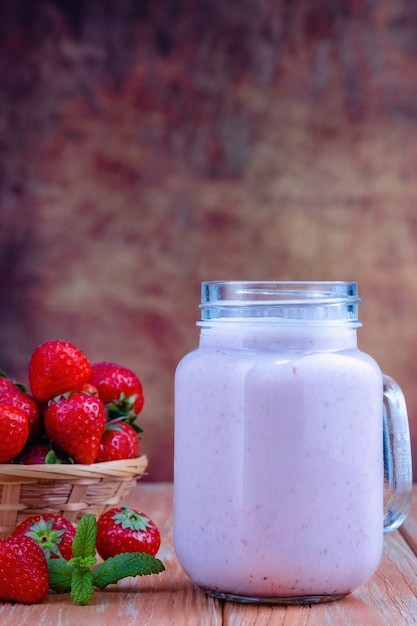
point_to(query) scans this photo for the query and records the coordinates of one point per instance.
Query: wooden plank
(167, 599)
(409, 527)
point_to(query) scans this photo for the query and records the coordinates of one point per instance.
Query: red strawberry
(125, 530)
(23, 570)
(56, 367)
(89, 388)
(14, 432)
(120, 441)
(75, 423)
(119, 386)
(12, 393)
(39, 454)
(53, 532)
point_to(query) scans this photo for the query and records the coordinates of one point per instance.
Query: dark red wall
(147, 146)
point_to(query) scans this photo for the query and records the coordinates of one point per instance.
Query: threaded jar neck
(327, 303)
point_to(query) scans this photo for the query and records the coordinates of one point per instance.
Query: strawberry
(38, 454)
(122, 530)
(6, 384)
(89, 388)
(14, 432)
(120, 441)
(75, 423)
(118, 387)
(24, 573)
(56, 367)
(53, 532)
(15, 394)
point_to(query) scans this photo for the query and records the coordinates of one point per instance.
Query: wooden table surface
(170, 599)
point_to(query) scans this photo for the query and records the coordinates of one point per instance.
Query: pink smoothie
(278, 462)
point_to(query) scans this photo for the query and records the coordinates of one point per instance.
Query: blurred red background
(147, 146)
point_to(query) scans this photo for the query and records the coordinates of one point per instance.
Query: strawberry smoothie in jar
(292, 450)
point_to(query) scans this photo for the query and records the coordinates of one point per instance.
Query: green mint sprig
(79, 576)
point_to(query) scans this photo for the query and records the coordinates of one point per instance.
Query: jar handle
(397, 456)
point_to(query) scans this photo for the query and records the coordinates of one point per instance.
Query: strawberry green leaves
(78, 576)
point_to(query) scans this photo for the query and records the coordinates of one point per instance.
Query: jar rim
(229, 291)
(292, 300)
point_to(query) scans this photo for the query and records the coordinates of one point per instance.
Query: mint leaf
(125, 564)
(82, 588)
(84, 544)
(83, 564)
(84, 551)
(60, 575)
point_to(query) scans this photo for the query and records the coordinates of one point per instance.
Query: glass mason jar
(292, 448)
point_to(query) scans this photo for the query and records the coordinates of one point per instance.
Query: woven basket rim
(122, 468)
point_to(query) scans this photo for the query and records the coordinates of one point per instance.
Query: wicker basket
(69, 490)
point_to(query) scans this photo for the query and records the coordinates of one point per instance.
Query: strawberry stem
(131, 519)
(46, 536)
